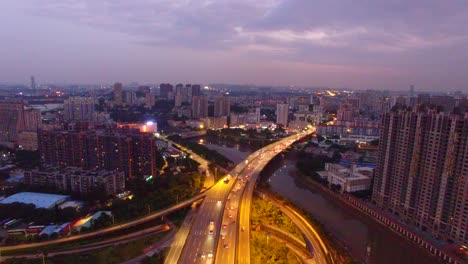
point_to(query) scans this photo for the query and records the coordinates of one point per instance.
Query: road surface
(101, 244)
(179, 240)
(290, 241)
(235, 247)
(108, 230)
(320, 250)
(209, 180)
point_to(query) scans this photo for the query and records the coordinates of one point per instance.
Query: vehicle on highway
(223, 236)
(225, 245)
(210, 255)
(211, 232)
(230, 215)
(211, 223)
(219, 202)
(224, 226)
(203, 256)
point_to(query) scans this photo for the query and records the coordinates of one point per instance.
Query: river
(355, 230)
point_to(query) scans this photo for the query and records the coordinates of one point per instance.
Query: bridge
(314, 242)
(109, 230)
(290, 241)
(239, 236)
(221, 230)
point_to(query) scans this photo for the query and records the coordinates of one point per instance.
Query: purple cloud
(396, 37)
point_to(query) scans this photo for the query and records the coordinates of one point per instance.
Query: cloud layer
(419, 36)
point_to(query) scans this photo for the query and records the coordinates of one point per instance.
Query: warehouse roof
(40, 200)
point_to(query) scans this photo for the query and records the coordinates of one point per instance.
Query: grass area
(336, 249)
(108, 255)
(269, 250)
(264, 212)
(264, 250)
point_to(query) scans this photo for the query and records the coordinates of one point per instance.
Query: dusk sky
(379, 44)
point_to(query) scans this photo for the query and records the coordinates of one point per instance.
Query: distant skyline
(329, 43)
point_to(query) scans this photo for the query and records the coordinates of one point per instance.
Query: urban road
(239, 236)
(108, 230)
(216, 234)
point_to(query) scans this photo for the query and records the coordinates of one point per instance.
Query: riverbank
(374, 214)
(364, 239)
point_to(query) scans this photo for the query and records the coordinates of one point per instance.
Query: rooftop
(40, 200)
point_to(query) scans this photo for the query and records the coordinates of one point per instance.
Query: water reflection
(366, 240)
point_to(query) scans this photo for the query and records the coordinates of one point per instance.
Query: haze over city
(340, 44)
(234, 131)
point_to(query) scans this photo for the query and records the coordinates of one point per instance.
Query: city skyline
(337, 44)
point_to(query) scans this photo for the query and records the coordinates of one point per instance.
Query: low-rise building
(349, 179)
(195, 124)
(40, 200)
(214, 122)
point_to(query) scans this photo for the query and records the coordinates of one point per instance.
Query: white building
(282, 114)
(350, 180)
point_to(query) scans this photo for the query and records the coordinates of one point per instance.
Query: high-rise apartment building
(199, 106)
(196, 90)
(150, 99)
(32, 119)
(422, 171)
(11, 120)
(131, 152)
(222, 106)
(78, 108)
(33, 83)
(19, 125)
(282, 111)
(182, 94)
(165, 90)
(130, 97)
(257, 115)
(144, 89)
(118, 93)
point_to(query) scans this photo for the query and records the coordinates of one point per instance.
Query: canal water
(366, 240)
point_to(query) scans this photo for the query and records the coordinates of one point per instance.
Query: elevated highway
(213, 234)
(108, 230)
(234, 245)
(290, 241)
(318, 247)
